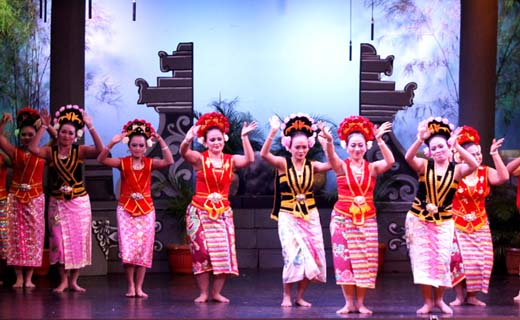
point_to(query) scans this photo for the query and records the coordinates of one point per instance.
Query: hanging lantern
(372, 23)
(133, 10)
(350, 41)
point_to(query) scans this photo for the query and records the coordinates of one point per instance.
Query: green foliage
(23, 56)
(508, 60)
(504, 218)
(178, 204)
(236, 120)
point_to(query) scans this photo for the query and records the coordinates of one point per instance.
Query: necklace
(62, 156)
(471, 179)
(137, 166)
(357, 169)
(217, 163)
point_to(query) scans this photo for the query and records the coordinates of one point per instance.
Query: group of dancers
(448, 211)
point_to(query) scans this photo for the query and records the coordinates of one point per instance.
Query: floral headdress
(72, 114)
(27, 117)
(212, 120)
(438, 127)
(468, 134)
(299, 122)
(140, 127)
(357, 124)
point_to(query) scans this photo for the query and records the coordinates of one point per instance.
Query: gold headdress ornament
(71, 114)
(299, 122)
(468, 134)
(28, 117)
(140, 127)
(439, 126)
(212, 120)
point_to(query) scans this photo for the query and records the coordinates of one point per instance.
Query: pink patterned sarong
(4, 229)
(26, 232)
(70, 232)
(476, 251)
(354, 251)
(136, 237)
(212, 242)
(302, 247)
(429, 246)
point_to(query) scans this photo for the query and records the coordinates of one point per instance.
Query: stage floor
(254, 295)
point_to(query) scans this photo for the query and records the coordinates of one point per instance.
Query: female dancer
(295, 209)
(69, 205)
(513, 168)
(135, 210)
(429, 224)
(353, 224)
(209, 218)
(26, 198)
(472, 259)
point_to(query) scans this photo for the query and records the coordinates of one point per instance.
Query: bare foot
(364, 310)
(220, 298)
(75, 287)
(201, 299)
(476, 302)
(302, 303)
(517, 298)
(443, 307)
(60, 288)
(29, 285)
(286, 302)
(130, 293)
(426, 308)
(18, 284)
(346, 309)
(457, 302)
(141, 294)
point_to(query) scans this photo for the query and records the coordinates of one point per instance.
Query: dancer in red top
(26, 207)
(472, 259)
(135, 210)
(209, 218)
(353, 224)
(513, 168)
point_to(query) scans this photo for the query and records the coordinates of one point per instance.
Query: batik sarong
(70, 232)
(4, 229)
(429, 246)
(476, 251)
(302, 247)
(27, 231)
(354, 251)
(212, 242)
(136, 237)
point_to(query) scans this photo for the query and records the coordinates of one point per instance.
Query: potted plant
(179, 255)
(504, 220)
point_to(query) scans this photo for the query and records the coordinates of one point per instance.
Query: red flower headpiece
(212, 120)
(356, 124)
(468, 134)
(28, 117)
